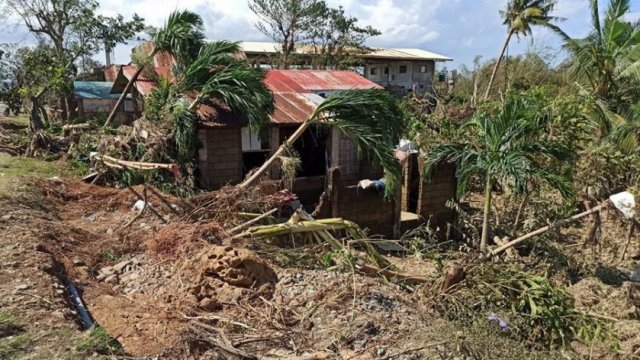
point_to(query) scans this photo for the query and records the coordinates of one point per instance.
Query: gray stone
(121, 265)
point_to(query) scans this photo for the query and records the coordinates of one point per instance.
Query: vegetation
(181, 36)
(519, 16)
(98, 341)
(333, 37)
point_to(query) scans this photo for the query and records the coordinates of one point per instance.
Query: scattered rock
(111, 279)
(121, 265)
(22, 287)
(78, 262)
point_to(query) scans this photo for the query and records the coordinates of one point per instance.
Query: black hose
(77, 301)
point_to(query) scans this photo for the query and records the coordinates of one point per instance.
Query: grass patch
(15, 122)
(10, 347)
(98, 341)
(14, 167)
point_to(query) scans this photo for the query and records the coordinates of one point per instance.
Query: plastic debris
(138, 206)
(626, 203)
(494, 318)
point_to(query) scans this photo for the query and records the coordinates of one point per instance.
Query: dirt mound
(226, 275)
(179, 238)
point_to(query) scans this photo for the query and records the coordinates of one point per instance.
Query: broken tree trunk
(548, 227)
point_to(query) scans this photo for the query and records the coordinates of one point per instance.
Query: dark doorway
(414, 183)
(253, 159)
(312, 149)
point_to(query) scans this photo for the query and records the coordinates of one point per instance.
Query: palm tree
(215, 74)
(510, 149)
(607, 59)
(370, 118)
(182, 35)
(519, 16)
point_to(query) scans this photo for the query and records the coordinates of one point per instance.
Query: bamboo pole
(547, 228)
(252, 221)
(119, 164)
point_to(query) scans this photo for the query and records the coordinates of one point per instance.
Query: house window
(423, 69)
(386, 70)
(403, 69)
(373, 71)
(250, 140)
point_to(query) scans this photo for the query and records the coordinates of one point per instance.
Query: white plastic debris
(408, 146)
(138, 206)
(625, 202)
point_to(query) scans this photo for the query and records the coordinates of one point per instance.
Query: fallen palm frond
(320, 230)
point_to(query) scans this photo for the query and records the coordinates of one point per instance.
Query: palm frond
(182, 35)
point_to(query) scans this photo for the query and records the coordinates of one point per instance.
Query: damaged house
(330, 171)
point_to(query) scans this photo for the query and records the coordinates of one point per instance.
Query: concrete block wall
(367, 208)
(220, 157)
(434, 194)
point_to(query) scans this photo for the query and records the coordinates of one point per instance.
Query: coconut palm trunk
(127, 88)
(498, 62)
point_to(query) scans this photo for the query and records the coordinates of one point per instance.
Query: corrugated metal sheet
(405, 54)
(295, 92)
(293, 108)
(316, 81)
(144, 85)
(270, 48)
(111, 72)
(93, 90)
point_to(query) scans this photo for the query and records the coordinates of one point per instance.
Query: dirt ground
(162, 287)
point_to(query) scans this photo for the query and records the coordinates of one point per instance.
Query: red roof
(297, 93)
(111, 72)
(306, 81)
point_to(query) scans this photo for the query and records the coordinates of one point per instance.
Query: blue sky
(460, 29)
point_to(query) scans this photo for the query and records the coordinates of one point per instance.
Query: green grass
(13, 345)
(21, 120)
(98, 341)
(12, 168)
(7, 320)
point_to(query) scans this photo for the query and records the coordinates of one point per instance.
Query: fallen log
(121, 164)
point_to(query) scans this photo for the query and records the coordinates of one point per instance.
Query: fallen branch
(198, 327)
(252, 221)
(70, 127)
(121, 164)
(548, 227)
(632, 226)
(372, 270)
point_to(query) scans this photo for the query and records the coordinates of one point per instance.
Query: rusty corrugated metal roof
(111, 72)
(316, 81)
(296, 92)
